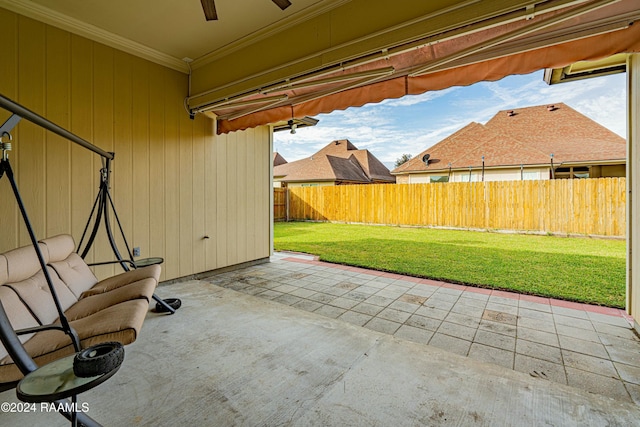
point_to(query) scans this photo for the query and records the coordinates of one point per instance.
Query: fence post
(286, 202)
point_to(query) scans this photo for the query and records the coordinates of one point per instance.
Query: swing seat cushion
(109, 310)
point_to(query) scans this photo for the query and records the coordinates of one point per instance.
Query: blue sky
(414, 123)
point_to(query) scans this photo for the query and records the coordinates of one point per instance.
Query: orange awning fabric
(462, 71)
(591, 48)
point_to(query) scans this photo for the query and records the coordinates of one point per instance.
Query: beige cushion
(106, 285)
(75, 273)
(59, 247)
(35, 293)
(121, 322)
(18, 315)
(92, 304)
(23, 263)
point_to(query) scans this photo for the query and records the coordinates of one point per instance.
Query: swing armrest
(139, 274)
(35, 329)
(94, 264)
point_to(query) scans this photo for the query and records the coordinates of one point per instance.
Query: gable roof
(526, 136)
(340, 160)
(278, 159)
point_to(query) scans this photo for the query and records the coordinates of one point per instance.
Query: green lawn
(575, 269)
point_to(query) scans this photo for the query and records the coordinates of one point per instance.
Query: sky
(411, 124)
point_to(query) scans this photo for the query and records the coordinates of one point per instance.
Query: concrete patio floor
(585, 346)
(229, 358)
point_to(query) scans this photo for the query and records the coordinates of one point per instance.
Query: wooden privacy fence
(279, 204)
(572, 206)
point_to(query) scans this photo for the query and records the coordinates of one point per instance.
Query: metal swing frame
(8, 336)
(100, 210)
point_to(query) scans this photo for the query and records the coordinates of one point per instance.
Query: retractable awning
(549, 34)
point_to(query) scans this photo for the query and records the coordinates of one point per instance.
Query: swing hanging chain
(5, 146)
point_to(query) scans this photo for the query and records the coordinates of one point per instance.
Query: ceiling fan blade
(282, 4)
(209, 8)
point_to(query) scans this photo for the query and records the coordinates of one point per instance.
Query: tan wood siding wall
(174, 181)
(581, 206)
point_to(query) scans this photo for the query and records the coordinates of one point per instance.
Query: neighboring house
(338, 163)
(542, 142)
(278, 159)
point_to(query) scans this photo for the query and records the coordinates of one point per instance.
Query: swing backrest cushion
(18, 314)
(69, 266)
(27, 280)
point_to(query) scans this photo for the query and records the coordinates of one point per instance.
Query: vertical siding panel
(58, 178)
(157, 223)
(102, 110)
(253, 203)
(211, 194)
(263, 148)
(199, 205)
(8, 86)
(172, 178)
(251, 199)
(185, 178)
(242, 173)
(30, 168)
(223, 225)
(232, 197)
(122, 178)
(140, 234)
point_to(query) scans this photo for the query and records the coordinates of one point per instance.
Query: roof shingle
(525, 136)
(340, 160)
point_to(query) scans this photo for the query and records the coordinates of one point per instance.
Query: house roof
(525, 136)
(278, 159)
(340, 160)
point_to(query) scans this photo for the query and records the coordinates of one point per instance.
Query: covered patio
(189, 108)
(232, 358)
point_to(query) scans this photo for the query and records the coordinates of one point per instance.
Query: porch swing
(23, 315)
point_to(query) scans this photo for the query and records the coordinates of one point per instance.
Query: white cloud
(414, 123)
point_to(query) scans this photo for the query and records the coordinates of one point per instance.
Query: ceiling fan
(210, 13)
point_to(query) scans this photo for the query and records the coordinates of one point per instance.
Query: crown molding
(91, 32)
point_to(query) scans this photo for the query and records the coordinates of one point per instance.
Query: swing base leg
(162, 302)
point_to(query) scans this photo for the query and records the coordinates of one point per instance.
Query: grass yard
(575, 269)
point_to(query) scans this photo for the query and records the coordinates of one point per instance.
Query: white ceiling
(174, 28)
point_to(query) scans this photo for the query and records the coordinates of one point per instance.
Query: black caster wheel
(98, 359)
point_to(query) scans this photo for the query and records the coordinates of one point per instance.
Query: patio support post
(633, 187)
